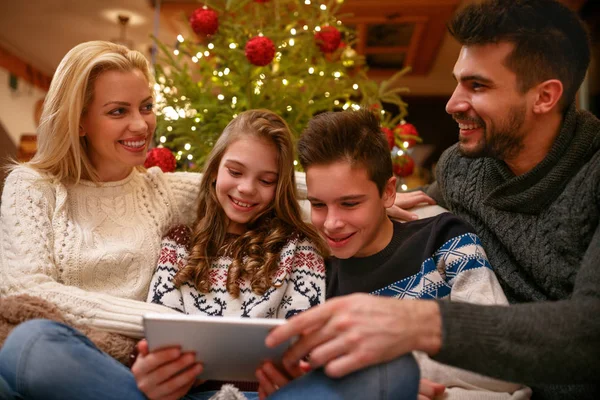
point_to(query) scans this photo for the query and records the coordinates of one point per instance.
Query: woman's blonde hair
(61, 151)
(255, 253)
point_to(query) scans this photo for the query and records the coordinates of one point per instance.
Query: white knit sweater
(91, 249)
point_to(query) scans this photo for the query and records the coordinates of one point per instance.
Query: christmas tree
(294, 57)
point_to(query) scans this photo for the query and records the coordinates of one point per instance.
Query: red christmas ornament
(160, 157)
(408, 133)
(204, 21)
(389, 135)
(404, 165)
(260, 50)
(328, 39)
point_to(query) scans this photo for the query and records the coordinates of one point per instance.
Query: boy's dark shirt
(412, 243)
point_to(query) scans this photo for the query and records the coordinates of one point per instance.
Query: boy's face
(347, 210)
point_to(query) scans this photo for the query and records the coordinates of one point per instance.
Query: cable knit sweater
(91, 249)
(298, 284)
(541, 233)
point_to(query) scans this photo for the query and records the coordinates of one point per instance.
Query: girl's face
(246, 180)
(118, 123)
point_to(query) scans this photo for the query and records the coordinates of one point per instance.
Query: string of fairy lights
(179, 107)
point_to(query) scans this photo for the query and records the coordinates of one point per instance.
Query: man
(526, 175)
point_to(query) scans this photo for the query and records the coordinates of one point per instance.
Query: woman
(81, 223)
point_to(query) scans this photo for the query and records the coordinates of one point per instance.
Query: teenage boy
(350, 185)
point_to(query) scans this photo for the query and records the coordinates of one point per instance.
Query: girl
(250, 253)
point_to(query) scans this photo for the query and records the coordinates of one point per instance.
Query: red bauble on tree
(389, 135)
(328, 39)
(404, 165)
(204, 21)
(161, 157)
(408, 133)
(260, 50)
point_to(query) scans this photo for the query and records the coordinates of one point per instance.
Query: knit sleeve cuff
(466, 327)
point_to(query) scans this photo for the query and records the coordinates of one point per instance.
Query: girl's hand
(271, 378)
(164, 374)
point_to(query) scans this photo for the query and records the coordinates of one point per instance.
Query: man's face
(491, 112)
(347, 210)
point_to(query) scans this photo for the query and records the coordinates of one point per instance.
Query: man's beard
(502, 143)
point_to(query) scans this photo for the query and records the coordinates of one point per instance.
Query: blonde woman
(82, 222)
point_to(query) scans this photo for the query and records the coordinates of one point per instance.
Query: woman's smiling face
(118, 123)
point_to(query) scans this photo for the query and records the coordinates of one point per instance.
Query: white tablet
(230, 348)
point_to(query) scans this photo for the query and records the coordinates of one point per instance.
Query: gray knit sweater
(541, 233)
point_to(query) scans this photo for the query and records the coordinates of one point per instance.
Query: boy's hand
(406, 201)
(164, 374)
(271, 378)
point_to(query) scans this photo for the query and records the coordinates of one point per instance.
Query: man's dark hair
(550, 40)
(352, 136)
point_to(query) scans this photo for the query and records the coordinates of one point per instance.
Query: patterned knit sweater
(298, 284)
(541, 232)
(90, 249)
(432, 258)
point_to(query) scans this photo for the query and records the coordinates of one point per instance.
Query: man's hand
(406, 201)
(164, 374)
(352, 332)
(428, 390)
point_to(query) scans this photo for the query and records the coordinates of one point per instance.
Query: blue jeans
(395, 380)
(47, 360)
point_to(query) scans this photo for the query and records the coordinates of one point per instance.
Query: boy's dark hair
(550, 40)
(352, 136)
